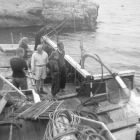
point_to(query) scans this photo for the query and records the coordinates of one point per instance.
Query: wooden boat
(94, 96)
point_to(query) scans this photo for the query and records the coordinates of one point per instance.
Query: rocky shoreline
(18, 13)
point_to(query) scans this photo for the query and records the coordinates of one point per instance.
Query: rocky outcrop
(14, 13)
(76, 13)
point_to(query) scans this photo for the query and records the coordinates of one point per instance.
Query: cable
(114, 75)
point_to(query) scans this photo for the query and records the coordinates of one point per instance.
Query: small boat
(100, 101)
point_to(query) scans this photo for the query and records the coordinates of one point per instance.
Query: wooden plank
(5, 67)
(4, 123)
(123, 123)
(128, 133)
(13, 47)
(108, 76)
(65, 96)
(12, 86)
(108, 108)
(25, 90)
(3, 102)
(77, 67)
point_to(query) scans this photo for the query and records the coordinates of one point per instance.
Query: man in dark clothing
(18, 65)
(62, 65)
(54, 71)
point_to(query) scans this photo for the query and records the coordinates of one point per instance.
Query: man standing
(39, 61)
(62, 65)
(18, 65)
(54, 71)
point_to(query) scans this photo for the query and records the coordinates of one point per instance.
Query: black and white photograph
(69, 69)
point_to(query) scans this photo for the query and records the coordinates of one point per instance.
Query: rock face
(76, 14)
(14, 13)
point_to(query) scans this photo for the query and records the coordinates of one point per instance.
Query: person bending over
(39, 61)
(18, 65)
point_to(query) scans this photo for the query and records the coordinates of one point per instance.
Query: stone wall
(77, 13)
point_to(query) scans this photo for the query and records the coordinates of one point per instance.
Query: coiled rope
(65, 124)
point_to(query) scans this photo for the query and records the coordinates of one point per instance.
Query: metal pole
(12, 38)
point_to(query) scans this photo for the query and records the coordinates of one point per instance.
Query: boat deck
(115, 116)
(69, 91)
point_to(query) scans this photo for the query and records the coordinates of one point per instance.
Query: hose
(115, 76)
(86, 102)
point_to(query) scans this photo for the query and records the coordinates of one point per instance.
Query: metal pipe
(114, 75)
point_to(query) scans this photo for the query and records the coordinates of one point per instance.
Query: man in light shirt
(39, 61)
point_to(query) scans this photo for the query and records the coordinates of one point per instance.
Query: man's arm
(63, 53)
(33, 63)
(47, 59)
(25, 65)
(12, 63)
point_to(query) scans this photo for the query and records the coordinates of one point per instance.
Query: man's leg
(38, 85)
(38, 78)
(41, 84)
(55, 84)
(43, 76)
(62, 78)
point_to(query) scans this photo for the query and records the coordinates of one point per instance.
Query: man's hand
(47, 70)
(114, 74)
(33, 71)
